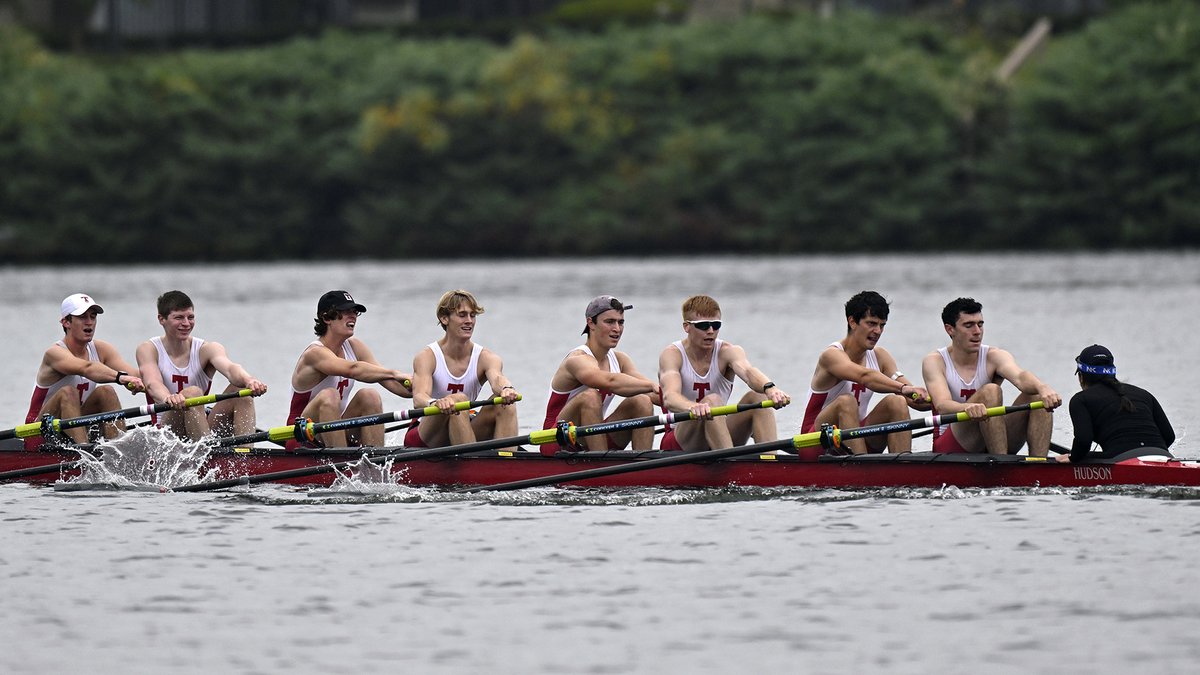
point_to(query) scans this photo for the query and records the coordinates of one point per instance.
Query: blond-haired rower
(454, 369)
(696, 375)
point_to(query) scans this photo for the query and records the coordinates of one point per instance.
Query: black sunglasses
(705, 325)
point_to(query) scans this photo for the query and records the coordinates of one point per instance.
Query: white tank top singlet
(344, 385)
(444, 383)
(558, 399)
(819, 400)
(176, 378)
(714, 381)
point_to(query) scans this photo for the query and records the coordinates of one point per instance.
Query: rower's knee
(846, 405)
(895, 406)
(641, 405)
(368, 400)
(590, 399)
(103, 399)
(990, 395)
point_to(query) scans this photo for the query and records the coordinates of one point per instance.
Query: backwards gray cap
(601, 304)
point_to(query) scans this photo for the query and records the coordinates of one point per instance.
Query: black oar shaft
(540, 437)
(305, 430)
(830, 436)
(36, 470)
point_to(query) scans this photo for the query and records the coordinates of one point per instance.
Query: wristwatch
(120, 374)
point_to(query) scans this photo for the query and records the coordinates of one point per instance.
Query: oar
(306, 430)
(37, 470)
(50, 424)
(563, 434)
(828, 438)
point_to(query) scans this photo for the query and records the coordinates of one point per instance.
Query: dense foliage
(768, 134)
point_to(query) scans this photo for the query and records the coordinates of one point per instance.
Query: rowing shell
(917, 469)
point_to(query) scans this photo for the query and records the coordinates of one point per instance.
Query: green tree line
(771, 133)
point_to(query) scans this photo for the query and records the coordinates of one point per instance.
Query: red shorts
(669, 442)
(946, 443)
(412, 438)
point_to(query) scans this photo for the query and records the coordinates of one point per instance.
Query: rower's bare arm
(838, 364)
(754, 378)
(671, 381)
(932, 371)
(214, 353)
(147, 360)
(493, 372)
(583, 368)
(628, 368)
(422, 379)
(1025, 381)
(368, 369)
(113, 363)
(915, 395)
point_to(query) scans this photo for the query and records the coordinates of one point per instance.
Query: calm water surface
(550, 581)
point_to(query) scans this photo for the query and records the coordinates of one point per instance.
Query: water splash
(366, 478)
(142, 458)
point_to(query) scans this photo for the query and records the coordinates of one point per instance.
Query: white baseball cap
(76, 305)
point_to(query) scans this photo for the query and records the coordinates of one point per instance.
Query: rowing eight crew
(695, 375)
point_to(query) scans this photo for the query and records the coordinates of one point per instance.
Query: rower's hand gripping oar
(305, 430)
(48, 425)
(840, 435)
(829, 438)
(561, 434)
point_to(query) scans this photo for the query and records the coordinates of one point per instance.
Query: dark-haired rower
(850, 370)
(177, 366)
(966, 376)
(590, 375)
(324, 377)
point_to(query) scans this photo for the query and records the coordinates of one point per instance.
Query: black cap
(339, 300)
(1096, 360)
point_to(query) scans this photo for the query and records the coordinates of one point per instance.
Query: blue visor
(1096, 370)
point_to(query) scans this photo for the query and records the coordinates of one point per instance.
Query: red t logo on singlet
(180, 382)
(858, 389)
(341, 387)
(455, 388)
(82, 387)
(701, 390)
(966, 393)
